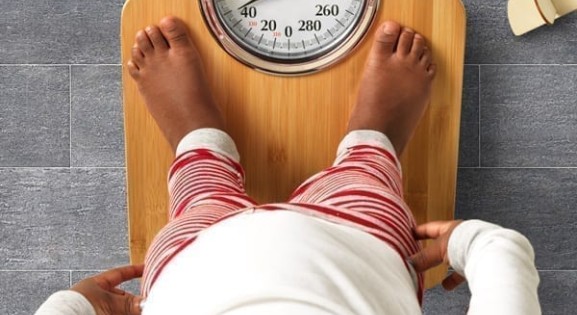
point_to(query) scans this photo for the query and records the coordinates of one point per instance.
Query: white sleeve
(66, 303)
(499, 266)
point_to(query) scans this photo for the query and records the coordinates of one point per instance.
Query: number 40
(248, 12)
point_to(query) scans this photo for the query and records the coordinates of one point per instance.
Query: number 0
(288, 31)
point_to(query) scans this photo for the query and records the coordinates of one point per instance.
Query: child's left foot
(396, 85)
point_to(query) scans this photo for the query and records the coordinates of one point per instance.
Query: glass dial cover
(289, 36)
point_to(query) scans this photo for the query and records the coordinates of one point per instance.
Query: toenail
(418, 36)
(408, 30)
(389, 29)
(169, 23)
(148, 29)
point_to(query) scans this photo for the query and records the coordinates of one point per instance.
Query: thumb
(127, 305)
(453, 281)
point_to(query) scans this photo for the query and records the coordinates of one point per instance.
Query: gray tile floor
(62, 194)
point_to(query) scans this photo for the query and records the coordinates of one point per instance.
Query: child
(345, 242)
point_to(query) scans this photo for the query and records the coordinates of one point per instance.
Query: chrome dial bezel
(290, 67)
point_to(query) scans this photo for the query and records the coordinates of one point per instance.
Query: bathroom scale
(286, 73)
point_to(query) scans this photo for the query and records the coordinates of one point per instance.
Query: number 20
(268, 25)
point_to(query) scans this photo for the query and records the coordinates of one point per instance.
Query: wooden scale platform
(288, 128)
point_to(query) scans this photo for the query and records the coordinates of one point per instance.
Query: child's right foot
(168, 71)
(396, 85)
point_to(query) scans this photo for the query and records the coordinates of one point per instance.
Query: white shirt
(287, 263)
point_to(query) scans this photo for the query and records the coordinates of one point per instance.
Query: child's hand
(436, 253)
(102, 293)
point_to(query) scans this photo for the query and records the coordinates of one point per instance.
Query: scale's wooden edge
(137, 244)
(131, 245)
(435, 275)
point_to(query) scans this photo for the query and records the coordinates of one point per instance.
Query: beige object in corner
(527, 15)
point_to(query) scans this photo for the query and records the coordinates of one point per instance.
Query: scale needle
(248, 3)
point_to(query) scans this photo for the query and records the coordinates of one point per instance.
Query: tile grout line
(119, 64)
(521, 64)
(70, 278)
(49, 270)
(520, 167)
(70, 116)
(479, 106)
(63, 168)
(102, 270)
(59, 64)
(124, 167)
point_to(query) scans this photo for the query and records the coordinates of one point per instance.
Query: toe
(133, 69)
(175, 31)
(432, 70)
(427, 58)
(418, 46)
(156, 37)
(137, 56)
(144, 42)
(387, 37)
(406, 41)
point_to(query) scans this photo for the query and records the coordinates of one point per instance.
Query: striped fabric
(363, 189)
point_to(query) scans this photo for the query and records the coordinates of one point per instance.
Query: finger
(431, 256)
(431, 229)
(434, 229)
(453, 281)
(127, 305)
(112, 278)
(118, 291)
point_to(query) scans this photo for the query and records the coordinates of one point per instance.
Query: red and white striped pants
(363, 189)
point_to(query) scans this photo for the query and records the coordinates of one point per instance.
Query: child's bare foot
(396, 85)
(168, 71)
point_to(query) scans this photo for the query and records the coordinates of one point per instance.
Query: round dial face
(289, 32)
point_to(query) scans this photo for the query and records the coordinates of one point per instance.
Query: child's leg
(206, 185)
(364, 186)
(206, 181)
(206, 178)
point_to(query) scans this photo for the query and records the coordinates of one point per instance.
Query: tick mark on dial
(237, 23)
